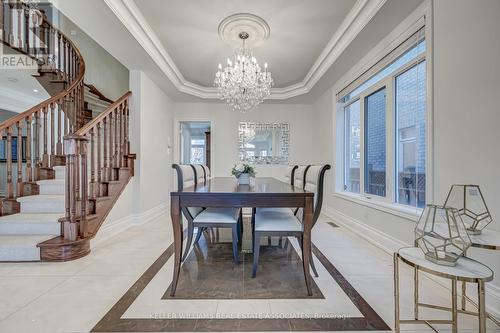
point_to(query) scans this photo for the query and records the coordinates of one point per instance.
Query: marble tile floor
(74, 296)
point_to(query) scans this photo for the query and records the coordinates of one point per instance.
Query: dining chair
(289, 224)
(207, 217)
(207, 172)
(290, 178)
(202, 173)
(290, 173)
(199, 173)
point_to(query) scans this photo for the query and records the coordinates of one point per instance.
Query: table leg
(396, 293)
(307, 220)
(481, 306)
(454, 327)
(464, 294)
(415, 293)
(175, 215)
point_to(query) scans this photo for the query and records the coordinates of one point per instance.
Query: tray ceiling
(300, 30)
(306, 37)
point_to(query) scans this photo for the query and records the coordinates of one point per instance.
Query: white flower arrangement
(242, 168)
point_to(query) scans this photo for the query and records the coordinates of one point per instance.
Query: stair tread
(31, 218)
(10, 241)
(41, 198)
(50, 181)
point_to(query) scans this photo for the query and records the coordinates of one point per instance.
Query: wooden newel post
(72, 224)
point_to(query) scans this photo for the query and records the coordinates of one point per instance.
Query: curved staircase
(74, 162)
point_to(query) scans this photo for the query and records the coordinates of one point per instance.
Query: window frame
(389, 202)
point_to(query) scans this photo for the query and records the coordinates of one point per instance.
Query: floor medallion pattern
(215, 295)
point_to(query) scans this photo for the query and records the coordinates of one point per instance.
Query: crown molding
(357, 18)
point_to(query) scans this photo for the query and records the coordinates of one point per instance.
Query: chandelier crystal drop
(243, 84)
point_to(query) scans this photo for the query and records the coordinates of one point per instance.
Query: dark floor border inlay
(112, 321)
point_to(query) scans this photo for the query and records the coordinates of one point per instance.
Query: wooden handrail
(99, 94)
(81, 73)
(102, 148)
(38, 132)
(85, 129)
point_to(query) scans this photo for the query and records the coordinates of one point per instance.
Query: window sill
(402, 211)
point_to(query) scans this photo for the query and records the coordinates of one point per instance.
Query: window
(375, 143)
(384, 128)
(410, 129)
(352, 147)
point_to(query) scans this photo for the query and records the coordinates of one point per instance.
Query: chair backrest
(207, 172)
(315, 182)
(290, 173)
(185, 176)
(199, 173)
(300, 176)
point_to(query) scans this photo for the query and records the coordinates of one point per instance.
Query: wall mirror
(264, 143)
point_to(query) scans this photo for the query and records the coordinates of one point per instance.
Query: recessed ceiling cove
(187, 39)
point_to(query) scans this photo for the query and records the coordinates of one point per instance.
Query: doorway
(195, 140)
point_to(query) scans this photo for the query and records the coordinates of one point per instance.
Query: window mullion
(362, 145)
(390, 140)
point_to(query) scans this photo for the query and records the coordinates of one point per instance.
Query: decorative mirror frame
(284, 127)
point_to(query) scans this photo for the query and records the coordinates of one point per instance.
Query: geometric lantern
(471, 206)
(441, 235)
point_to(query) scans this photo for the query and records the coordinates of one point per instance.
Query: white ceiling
(19, 90)
(120, 27)
(300, 30)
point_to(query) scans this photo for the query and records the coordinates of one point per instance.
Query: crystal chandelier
(242, 83)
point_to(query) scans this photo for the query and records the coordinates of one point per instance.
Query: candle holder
(471, 206)
(441, 235)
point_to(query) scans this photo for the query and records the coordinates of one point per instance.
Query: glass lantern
(440, 233)
(471, 206)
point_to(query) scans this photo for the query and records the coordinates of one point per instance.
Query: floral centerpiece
(243, 172)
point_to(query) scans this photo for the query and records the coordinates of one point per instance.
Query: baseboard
(390, 244)
(112, 229)
(374, 236)
(150, 214)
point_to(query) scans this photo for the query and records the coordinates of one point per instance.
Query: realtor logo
(22, 47)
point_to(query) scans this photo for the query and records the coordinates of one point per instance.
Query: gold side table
(488, 240)
(465, 270)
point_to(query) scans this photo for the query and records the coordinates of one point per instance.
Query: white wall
(102, 70)
(225, 133)
(466, 53)
(148, 193)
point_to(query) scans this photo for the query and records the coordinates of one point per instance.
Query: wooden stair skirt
(98, 208)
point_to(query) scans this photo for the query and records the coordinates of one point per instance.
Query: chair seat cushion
(194, 211)
(274, 209)
(218, 215)
(277, 221)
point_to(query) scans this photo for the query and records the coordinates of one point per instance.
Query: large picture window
(384, 127)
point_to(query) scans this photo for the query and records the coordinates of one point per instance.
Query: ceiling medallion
(243, 84)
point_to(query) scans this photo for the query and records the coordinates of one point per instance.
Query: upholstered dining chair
(289, 178)
(199, 173)
(202, 174)
(288, 223)
(207, 217)
(290, 173)
(207, 172)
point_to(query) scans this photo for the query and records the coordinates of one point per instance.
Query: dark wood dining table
(226, 192)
